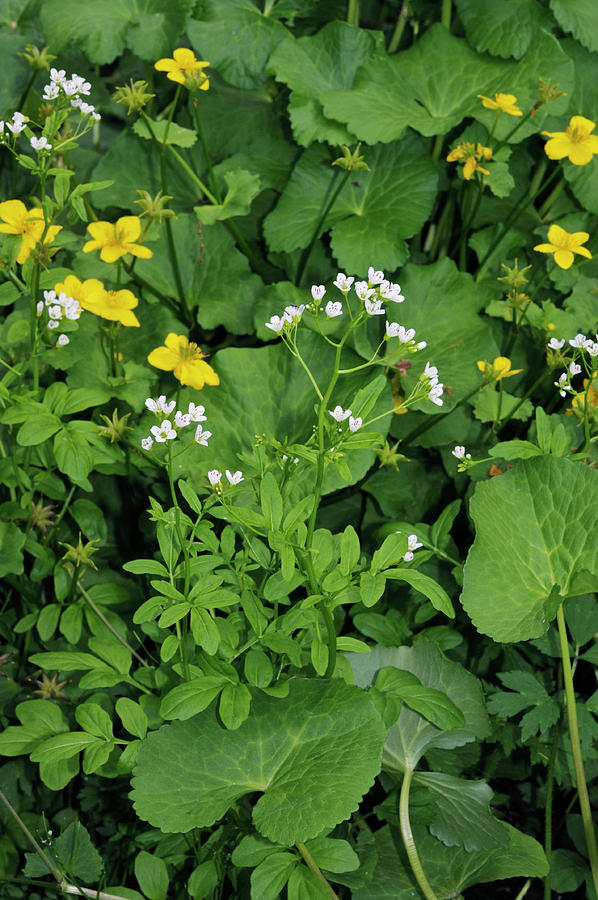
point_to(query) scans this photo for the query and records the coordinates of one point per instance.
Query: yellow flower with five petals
(506, 103)
(116, 306)
(30, 225)
(114, 241)
(563, 245)
(185, 360)
(185, 69)
(499, 368)
(577, 142)
(470, 154)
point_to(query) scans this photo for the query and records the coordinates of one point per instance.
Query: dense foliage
(298, 422)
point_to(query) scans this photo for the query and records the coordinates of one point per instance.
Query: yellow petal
(127, 229)
(103, 232)
(165, 65)
(583, 251)
(581, 124)
(185, 57)
(545, 248)
(91, 245)
(163, 358)
(558, 147)
(140, 251)
(110, 253)
(563, 259)
(176, 342)
(14, 212)
(557, 235)
(581, 154)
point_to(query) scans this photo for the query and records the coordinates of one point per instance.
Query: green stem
(399, 29)
(408, 840)
(582, 789)
(111, 627)
(500, 425)
(313, 867)
(185, 552)
(195, 178)
(319, 225)
(204, 147)
(353, 12)
(524, 890)
(43, 856)
(445, 16)
(554, 195)
(548, 809)
(331, 639)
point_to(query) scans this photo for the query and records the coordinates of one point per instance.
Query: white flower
(343, 283)
(72, 310)
(318, 291)
(406, 334)
(355, 424)
(563, 384)
(555, 344)
(163, 432)
(196, 413)
(76, 103)
(374, 308)
(574, 369)
(435, 394)
(181, 420)
(392, 329)
(76, 85)
(40, 143)
(333, 309)
(276, 323)
(363, 290)
(51, 91)
(421, 346)
(579, 341)
(202, 437)
(62, 340)
(53, 323)
(390, 291)
(459, 453)
(55, 312)
(412, 544)
(39, 307)
(431, 372)
(339, 413)
(50, 297)
(152, 405)
(163, 406)
(18, 123)
(408, 556)
(58, 75)
(214, 476)
(147, 443)
(375, 277)
(1, 126)
(234, 477)
(592, 348)
(86, 108)
(294, 313)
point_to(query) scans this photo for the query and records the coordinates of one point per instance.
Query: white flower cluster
(583, 344)
(412, 544)
(215, 477)
(74, 87)
(59, 307)
(167, 430)
(459, 453)
(405, 335)
(435, 388)
(40, 143)
(339, 415)
(16, 125)
(291, 316)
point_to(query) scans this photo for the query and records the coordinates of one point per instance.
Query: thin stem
(580, 778)
(445, 16)
(331, 639)
(548, 809)
(43, 856)
(353, 12)
(204, 147)
(313, 867)
(185, 552)
(554, 195)
(500, 425)
(524, 890)
(187, 168)
(399, 29)
(320, 223)
(111, 627)
(295, 351)
(408, 841)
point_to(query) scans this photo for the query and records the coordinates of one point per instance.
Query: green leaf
(490, 404)
(73, 453)
(243, 187)
(541, 517)
(371, 588)
(94, 719)
(332, 725)
(48, 620)
(579, 18)
(186, 700)
(436, 594)
(432, 704)
(66, 661)
(62, 746)
(235, 702)
(132, 716)
(390, 553)
(333, 854)
(271, 875)
(303, 885)
(490, 26)
(77, 855)
(203, 879)
(271, 501)
(462, 813)
(146, 567)
(90, 519)
(237, 38)
(152, 875)
(515, 450)
(103, 31)
(251, 851)
(412, 736)
(177, 135)
(38, 429)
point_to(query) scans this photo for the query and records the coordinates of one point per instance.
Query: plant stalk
(409, 842)
(304, 259)
(314, 867)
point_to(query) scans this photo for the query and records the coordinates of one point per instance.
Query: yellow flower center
(576, 134)
(190, 351)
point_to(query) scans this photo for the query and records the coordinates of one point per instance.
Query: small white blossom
(196, 413)
(343, 283)
(163, 432)
(459, 453)
(181, 420)
(76, 85)
(333, 309)
(431, 372)
(40, 143)
(152, 405)
(53, 323)
(18, 123)
(40, 307)
(375, 277)
(51, 91)
(276, 323)
(563, 384)
(202, 437)
(574, 369)
(62, 340)
(406, 334)
(318, 291)
(579, 341)
(421, 346)
(339, 413)
(72, 309)
(234, 477)
(163, 406)
(214, 476)
(592, 348)
(57, 75)
(294, 313)
(50, 297)
(412, 544)
(147, 443)
(555, 344)
(374, 308)
(436, 393)
(355, 424)
(363, 290)
(55, 312)
(390, 291)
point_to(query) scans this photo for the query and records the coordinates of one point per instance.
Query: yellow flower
(579, 401)
(115, 306)
(28, 224)
(506, 103)
(499, 368)
(185, 359)
(564, 245)
(577, 142)
(470, 154)
(113, 241)
(185, 69)
(85, 292)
